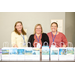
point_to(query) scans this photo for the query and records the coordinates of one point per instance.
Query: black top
(43, 39)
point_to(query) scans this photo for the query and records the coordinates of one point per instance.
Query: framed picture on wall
(60, 24)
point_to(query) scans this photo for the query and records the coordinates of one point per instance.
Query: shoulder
(13, 33)
(61, 33)
(25, 36)
(48, 33)
(32, 35)
(44, 34)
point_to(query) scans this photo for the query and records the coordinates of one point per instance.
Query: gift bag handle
(45, 43)
(29, 43)
(61, 43)
(70, 43)
(5, 44)
(54, 43)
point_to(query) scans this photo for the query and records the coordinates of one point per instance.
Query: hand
(40, 50)
(64, 45)
(15, 45)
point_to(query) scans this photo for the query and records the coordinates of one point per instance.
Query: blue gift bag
(13, 54)
(62, 52)
(5, 54)
(70, 52)
(21, 54)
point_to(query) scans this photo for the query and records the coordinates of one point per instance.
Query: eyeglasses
(53, 26)
(38, 28)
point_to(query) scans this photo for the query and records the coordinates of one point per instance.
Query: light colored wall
(29, 19)
(70, 26)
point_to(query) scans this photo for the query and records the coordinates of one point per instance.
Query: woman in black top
(38, 37)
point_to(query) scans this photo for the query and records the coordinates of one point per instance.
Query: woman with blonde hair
(18, 36)
(38, 37)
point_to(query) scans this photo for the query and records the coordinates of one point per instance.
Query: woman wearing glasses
(38, 38)
(56, 37)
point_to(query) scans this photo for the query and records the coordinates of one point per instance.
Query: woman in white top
(18, 36)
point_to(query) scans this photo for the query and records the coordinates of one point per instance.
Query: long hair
(23, 32)
(36, 26)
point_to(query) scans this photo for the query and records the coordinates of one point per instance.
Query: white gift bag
(70, 52)
(13, 54)
(21, 54)
(0, 54)
(54, 52)
(36, 53)
(28, 53)
(5, 52)
(53, 45)
(62, 53)
(45, 52)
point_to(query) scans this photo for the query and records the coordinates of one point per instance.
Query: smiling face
(54, 27)
(19, 26)
(38, 30)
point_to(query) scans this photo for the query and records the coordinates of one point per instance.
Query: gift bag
(21, 54)
(0, 54)
(70, 52)
(5, 52)
(74, 53)
(62, 52)
(13, 54)
(36, 53)
(53, 45)
(45, 52)
(54, 52)
(28, 53)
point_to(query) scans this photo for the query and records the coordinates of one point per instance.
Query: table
(38, 61)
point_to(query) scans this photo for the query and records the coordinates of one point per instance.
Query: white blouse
(18, 39)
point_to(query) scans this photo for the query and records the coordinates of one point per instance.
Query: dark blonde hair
(54, 23)
(36, 26)
(23, 32)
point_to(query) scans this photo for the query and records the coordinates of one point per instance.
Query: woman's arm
(13, 40)
(46, 38)
(26, 41)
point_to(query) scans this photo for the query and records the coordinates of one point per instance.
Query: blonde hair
(36, 26)
(23, 32)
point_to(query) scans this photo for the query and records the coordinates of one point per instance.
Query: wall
(29, 19)
(70, 26)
